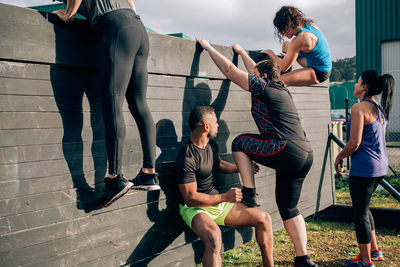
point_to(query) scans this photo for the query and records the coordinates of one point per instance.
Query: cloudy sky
(247, 22)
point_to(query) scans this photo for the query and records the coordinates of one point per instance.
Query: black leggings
(361, 189)
(122, 62)
(291, 162)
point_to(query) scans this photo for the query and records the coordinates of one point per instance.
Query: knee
(237, 143)
(263, 220)
(213, 240)
(288, 213)
(137, 102)
(361, 218)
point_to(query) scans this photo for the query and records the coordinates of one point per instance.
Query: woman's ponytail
(386, 82)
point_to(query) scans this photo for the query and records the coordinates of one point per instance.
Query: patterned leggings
(290, 161)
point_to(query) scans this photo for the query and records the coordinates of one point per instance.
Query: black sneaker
(146, 181)
(304, 262)
(86, 199)
(114, 189)
(250, 200)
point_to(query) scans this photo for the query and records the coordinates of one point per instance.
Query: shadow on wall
(70, 86)
(168, 224)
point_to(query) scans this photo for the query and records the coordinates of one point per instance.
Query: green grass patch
(329, 244)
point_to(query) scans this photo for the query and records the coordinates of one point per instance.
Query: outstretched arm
(226, 67)
(68, 14)
(248, 62)
(228, 168)
(132, 5)
(290, 57)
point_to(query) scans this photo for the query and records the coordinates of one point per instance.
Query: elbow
(353, 146)
(189, 200)
(228, 71)
(284, 68)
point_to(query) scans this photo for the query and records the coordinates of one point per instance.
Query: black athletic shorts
(322, 75)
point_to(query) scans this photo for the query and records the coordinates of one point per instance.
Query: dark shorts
(322, 75)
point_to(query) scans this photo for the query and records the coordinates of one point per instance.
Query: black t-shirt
(274, 111)
(194, 164)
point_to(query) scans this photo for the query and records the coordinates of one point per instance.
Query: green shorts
(217, 213)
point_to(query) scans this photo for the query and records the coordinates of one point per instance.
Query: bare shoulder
(297, 42)
(357, 108)
(306, 41)
(363, 109)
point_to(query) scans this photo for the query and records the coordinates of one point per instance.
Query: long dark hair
(287, 18)
(377, 84)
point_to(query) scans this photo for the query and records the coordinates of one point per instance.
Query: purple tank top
(370, 159)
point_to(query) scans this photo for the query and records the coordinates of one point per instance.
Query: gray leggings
(122, 62)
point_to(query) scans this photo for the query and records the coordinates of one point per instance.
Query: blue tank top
(370, 159)
(320, 57)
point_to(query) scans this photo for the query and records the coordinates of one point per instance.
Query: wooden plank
(133, 213)
(44, 38)
(51, 41)
(61, 160)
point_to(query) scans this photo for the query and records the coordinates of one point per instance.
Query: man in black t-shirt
(202, 207)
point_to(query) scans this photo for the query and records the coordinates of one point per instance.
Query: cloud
(249, 22)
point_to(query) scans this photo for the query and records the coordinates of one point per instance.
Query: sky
(246, 22)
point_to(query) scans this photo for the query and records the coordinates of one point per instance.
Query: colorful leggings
(290, 161)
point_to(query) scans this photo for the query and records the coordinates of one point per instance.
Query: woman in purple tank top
(367, 148)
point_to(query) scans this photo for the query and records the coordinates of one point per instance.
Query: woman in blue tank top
(369, 162)
(309, 47)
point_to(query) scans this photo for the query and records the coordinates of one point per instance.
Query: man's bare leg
(210, 234)
(241, 215)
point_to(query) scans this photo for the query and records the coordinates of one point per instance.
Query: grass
(329, 244)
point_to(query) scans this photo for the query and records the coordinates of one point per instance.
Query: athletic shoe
(304, 262)
(250, 200)
(357, 262)
(377, 256)
(146, 181)
(86, 199)
(114, 189)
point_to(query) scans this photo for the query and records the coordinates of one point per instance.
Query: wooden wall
(52, 152)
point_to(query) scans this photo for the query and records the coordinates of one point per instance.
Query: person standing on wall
(369, 161)
(308, 46)
(122, 63)
(281, 143)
